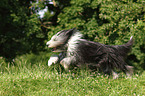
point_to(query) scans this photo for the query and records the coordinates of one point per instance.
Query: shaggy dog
(76, 51)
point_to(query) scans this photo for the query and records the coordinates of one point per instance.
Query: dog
(75, 51)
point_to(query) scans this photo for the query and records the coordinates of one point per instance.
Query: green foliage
(110, 22)
(20, 30)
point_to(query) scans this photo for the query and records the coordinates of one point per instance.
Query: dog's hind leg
(129, 71)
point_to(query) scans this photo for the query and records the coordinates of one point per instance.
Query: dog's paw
(115, 75)
(53, 59)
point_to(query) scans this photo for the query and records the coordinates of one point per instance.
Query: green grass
(26, 79)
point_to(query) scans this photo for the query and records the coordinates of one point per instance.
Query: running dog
(76, 51)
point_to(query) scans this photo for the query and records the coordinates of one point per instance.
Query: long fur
(81, 52)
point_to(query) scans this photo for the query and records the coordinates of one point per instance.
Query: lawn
(26, 79)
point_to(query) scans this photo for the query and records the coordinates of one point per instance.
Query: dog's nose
(47, 44)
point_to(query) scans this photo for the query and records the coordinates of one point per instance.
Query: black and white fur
(76, 51)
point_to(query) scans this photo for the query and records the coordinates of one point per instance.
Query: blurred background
(26, 26)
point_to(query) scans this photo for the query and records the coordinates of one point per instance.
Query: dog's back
(106, 57)
(126, 48)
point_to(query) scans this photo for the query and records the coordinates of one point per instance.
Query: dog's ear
(70, 31)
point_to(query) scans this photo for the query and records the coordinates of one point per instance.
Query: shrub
(106, 21)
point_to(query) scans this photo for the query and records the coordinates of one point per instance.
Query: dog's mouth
(54, 49)
(57, 49)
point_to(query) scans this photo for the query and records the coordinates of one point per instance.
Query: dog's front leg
(66, 63)
(53, 59)
(56, 58)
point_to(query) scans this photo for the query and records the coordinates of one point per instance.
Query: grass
(26, 79)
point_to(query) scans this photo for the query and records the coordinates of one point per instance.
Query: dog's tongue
(54, 49)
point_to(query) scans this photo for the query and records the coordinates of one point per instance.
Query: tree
(106, 21)
(20, 30)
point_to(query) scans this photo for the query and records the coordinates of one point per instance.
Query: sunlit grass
(25, 79)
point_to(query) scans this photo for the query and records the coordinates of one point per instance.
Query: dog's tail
(130, 42)
(125, 48)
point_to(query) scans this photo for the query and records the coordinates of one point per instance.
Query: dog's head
(59, 40)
